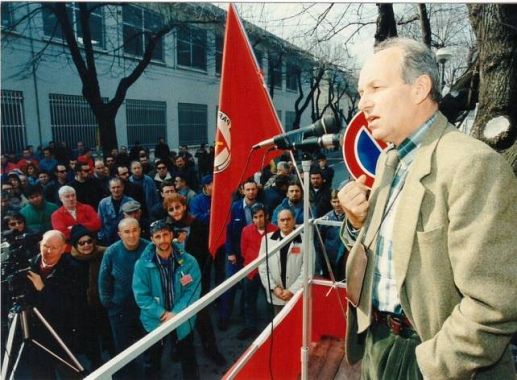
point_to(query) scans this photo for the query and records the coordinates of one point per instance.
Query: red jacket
(250, 244)
(63, 221)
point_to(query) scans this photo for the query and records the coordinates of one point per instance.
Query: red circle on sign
(358, 160)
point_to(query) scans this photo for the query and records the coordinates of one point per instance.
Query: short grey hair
(418, 60)
(65, 190)
(127, 221)
(284, 165)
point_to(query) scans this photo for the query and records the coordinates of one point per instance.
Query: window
(72, 119)
(219, 42)
(192, 123)
(13, 121)
(275, 70)
(7, 14)
(259, 55)
(279, 114)
(139, 24)
(52, 28)
(146, 121)
(192, 47)
(289, 120)
(291, 76)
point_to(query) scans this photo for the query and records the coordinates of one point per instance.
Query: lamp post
(443, 55)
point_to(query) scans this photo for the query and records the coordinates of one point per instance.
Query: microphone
(325, 125)
(328, 141)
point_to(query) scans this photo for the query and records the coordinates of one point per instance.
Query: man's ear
(422, 88)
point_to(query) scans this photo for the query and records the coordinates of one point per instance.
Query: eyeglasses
(83, 242)
(15, 223)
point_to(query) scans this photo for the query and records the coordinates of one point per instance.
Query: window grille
(192, 47)
(72, 120)
(192, 123)
(146, 121)
(13, 121)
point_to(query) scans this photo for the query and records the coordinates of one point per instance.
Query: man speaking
(432, 269)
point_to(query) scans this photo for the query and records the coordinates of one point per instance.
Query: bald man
(56, 291)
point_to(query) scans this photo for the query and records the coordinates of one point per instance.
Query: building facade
(176, 97)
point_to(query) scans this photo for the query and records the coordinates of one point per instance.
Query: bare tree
(84, 56)
(496, 119)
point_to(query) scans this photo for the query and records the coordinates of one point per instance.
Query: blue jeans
(126, 329)
(225, 304)
(251, 291)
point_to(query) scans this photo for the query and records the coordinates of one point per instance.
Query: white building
(176, 96)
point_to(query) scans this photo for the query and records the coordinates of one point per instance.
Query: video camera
(16, 251)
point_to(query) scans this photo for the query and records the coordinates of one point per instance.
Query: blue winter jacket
(297, 209)
(147, 288)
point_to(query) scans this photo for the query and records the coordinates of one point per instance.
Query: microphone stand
(307, 267)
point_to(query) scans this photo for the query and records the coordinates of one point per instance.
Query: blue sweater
(116, 276)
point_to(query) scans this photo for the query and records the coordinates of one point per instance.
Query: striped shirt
(385, 297)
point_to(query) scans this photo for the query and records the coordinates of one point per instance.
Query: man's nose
(364, 103)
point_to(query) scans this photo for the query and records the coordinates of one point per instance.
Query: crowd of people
(129, 235)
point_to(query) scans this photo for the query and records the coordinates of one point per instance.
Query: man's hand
(354, 200)
(232, 259)
(166, 316)
(36, 280)
(278, 291)
(286, 295)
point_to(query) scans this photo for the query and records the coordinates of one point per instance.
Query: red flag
(246, 117)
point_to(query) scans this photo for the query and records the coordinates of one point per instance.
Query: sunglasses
(89, 241)
(15, 223)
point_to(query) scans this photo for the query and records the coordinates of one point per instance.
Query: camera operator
(55, 292)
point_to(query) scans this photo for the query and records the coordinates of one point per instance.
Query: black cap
(77, 232)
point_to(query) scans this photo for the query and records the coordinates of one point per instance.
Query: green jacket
(38, 220)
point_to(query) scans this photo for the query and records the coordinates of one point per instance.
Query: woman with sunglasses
(93, 326)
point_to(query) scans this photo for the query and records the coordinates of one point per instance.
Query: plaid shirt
(385, 297)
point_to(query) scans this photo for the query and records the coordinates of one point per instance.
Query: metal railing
(108, 369)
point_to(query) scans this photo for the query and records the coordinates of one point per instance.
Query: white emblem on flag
(223, 145)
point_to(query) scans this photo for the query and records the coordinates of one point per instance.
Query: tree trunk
(425, 25)
(386, 25)
(107, 131)
(496, 119)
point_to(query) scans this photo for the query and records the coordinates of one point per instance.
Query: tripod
(21, 316)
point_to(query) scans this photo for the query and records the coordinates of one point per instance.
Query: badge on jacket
(185, 279)
(296, 250)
